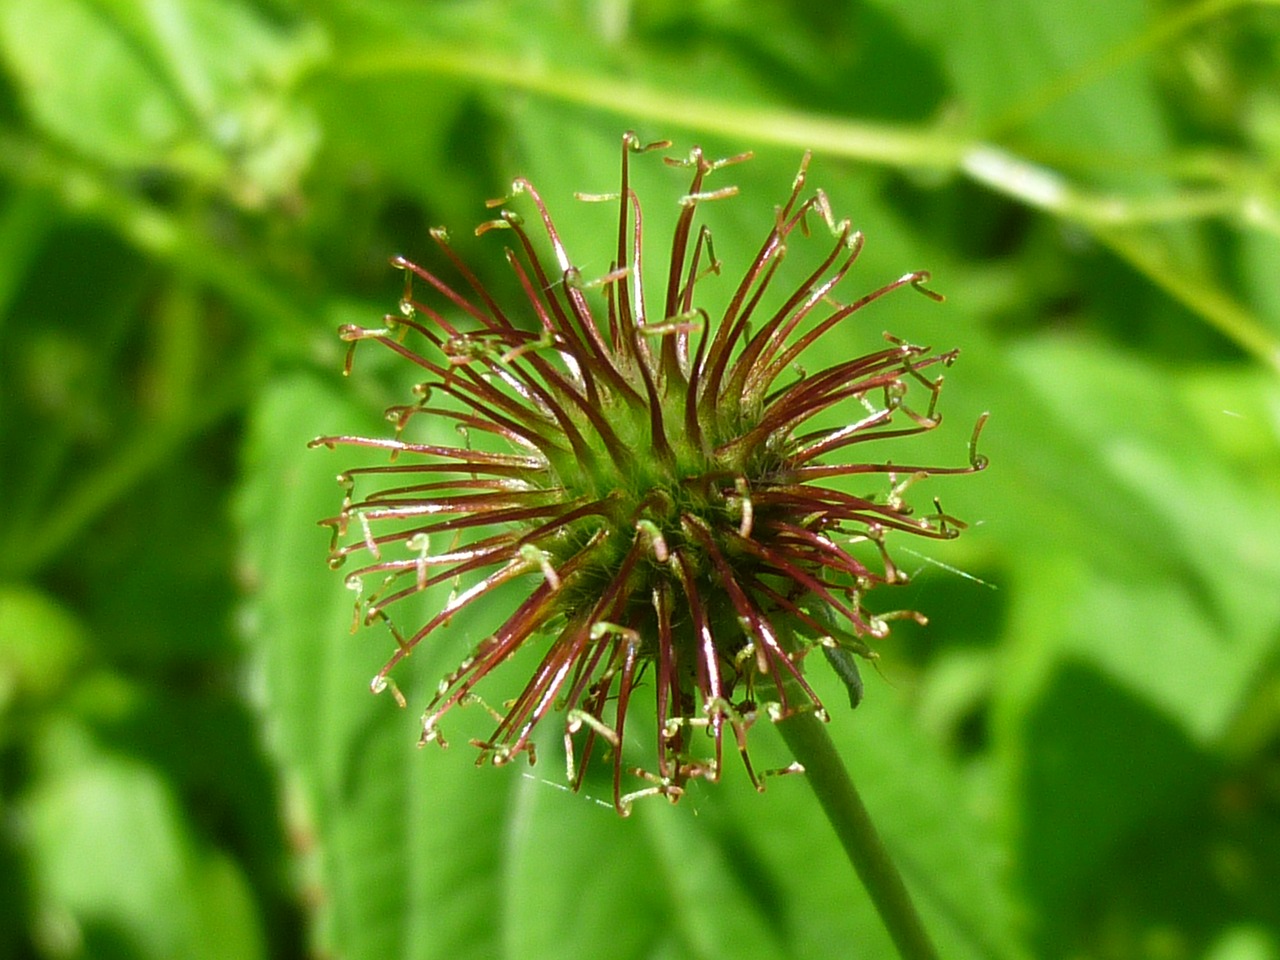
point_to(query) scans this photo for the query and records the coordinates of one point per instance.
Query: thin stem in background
(940, 149)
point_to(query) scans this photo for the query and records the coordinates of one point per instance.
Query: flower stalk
(811, 745)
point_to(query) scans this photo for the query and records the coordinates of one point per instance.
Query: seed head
(652, 472)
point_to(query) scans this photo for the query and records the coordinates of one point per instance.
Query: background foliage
(1079, 757)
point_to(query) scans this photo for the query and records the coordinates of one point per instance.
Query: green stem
(807, 737)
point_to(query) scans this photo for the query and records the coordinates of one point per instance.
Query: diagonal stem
(809, 741)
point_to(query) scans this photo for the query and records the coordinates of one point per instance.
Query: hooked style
(646, 468)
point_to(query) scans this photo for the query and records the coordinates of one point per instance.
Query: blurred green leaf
(40, 643)
(1136, 637)
(196, 84)
(66, 51)
(404, 849)
(1080, 762)
(1192, 639)
(116, 871)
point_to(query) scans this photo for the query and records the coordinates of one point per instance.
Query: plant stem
(807, 737)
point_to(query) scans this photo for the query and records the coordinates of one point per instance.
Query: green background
(1078, 757)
